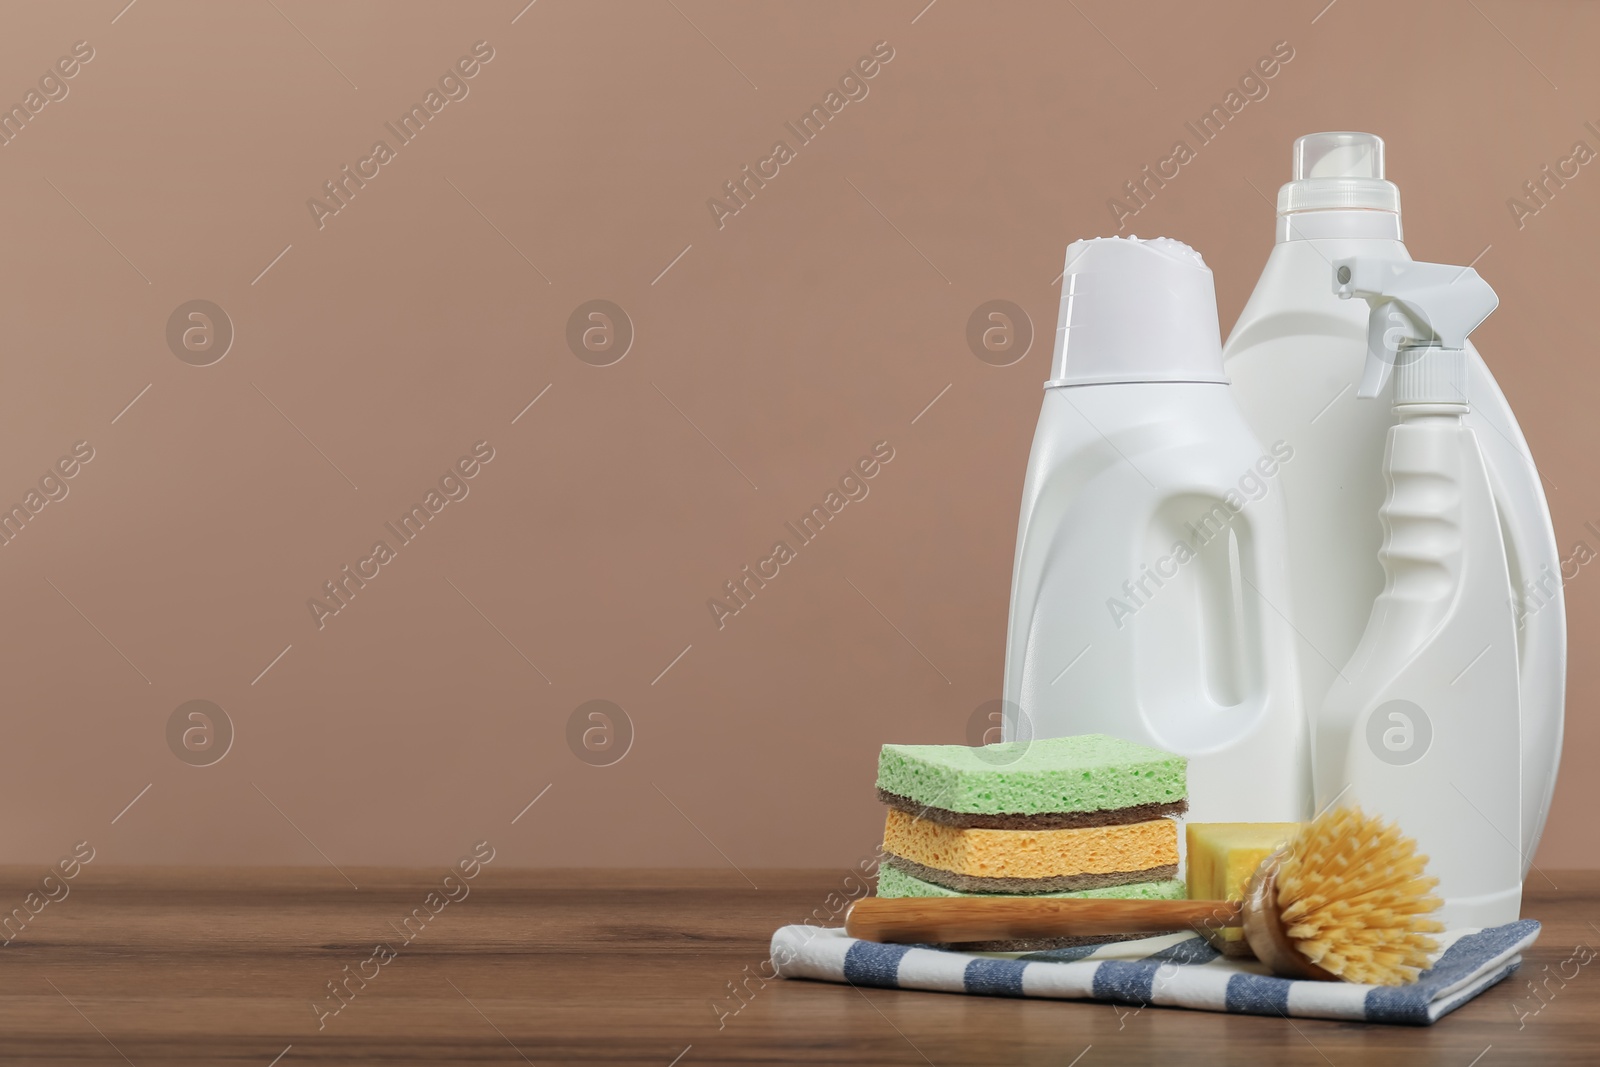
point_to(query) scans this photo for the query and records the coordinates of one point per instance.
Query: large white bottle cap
(1338, 171)
(1136, 311)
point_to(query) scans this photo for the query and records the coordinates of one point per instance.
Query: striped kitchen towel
(1178, 970)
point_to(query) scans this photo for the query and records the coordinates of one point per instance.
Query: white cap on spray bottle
(1420, 318)
(1136, 311)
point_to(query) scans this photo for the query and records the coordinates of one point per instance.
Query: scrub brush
(1346, 899)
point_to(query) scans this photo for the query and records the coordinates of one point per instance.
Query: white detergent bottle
(1421, 726)
(1294, 357)
(1150, 580)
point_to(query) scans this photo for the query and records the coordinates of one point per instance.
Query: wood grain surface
(228, 966)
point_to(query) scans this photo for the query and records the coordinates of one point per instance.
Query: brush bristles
(1354, 900)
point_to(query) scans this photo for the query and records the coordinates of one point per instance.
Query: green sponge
(1086, 773)
(893, 882)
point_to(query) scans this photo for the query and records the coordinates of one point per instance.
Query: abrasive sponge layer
(893, 882)
(1090, 772)
(1089, 850)
(1060, 883)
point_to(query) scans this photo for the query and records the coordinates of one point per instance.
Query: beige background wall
(769, 355)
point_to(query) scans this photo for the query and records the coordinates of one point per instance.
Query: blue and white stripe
(1177, 970)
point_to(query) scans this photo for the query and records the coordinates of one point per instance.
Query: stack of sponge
(1086, 816)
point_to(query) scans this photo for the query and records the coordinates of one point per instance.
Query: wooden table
(163, 966)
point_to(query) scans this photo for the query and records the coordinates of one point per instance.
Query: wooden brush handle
(916, 920)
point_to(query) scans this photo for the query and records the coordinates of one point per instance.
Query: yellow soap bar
(1223, 856)
(1088, 850)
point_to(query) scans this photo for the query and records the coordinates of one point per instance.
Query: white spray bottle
(1151, 583)
(1422, 724)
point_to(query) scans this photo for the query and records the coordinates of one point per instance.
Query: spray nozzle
(1421, 316)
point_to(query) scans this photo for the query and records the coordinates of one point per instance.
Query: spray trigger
(1415, 308)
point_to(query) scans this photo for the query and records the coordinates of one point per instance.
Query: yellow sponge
(1222, 856)
(1031, 860)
